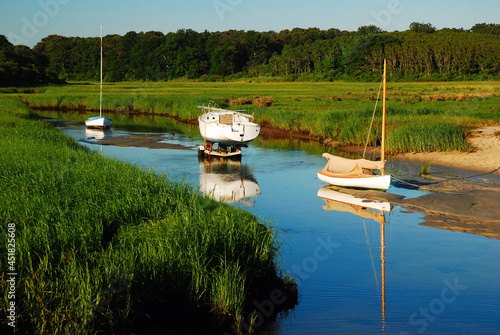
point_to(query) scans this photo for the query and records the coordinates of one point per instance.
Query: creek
(358, 271)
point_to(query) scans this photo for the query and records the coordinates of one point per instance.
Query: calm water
(356, 275)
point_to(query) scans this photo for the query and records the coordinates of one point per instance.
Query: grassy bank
(339, 111)
(103, 246)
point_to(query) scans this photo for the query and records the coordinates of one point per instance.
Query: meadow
(104, 246)
(431, 116)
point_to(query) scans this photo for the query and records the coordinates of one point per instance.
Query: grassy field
(104, 246)
(421, 116)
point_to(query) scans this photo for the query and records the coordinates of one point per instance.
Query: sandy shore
(484, 158)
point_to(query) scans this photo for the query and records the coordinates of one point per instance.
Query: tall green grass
(339, 111)
(428, 137)
(102, 244)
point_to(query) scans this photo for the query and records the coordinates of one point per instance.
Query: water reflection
(97, 134)
(341, 294)
(366, 209)
(227, 180)
(342, 202)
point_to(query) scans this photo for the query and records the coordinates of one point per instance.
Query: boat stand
(222, 151)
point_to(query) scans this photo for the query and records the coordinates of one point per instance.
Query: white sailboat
(358, 173)
(231, 130)
(99, 121)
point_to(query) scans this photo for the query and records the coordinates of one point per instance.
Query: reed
(101, 243)
(339, 111)
(428, 137)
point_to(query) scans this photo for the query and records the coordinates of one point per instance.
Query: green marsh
(105, 246)
(338, 111)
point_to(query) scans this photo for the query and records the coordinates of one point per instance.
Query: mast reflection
(367, 209)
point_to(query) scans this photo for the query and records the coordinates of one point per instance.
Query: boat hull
(237, 131)
(377, 182)
(98, 122)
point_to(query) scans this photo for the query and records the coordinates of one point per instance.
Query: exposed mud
(453, 204)
(151, 142)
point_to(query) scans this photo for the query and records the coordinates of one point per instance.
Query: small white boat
(358, 173)
(100, 121)
(352, 173)
(231, 130)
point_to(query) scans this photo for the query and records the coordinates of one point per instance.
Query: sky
(28, 21)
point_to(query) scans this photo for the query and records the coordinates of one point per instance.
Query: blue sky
(28, 21)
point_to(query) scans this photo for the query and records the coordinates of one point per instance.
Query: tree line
(420, 53)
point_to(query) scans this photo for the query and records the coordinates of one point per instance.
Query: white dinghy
(358, 173)
(346, 172)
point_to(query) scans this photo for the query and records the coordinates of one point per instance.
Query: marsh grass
(340, 111)
(100, 242)
(428, 137)
(425, 169)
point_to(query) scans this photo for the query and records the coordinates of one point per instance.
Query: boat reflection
(97, 134)
(228, 181)
(343, 202)
(367, 209)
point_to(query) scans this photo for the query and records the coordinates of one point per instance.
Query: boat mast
(383, 114)
(100, 94)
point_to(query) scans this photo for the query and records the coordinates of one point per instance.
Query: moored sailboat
(99, 121)
(230, 130)
(358, 173)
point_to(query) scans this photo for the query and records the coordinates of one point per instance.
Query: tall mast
(100, 95)
(383, 114)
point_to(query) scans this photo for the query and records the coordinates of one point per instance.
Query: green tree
(486, 28)
(425, 28)
(371, 29)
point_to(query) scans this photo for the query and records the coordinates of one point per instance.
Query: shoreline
(484, 158)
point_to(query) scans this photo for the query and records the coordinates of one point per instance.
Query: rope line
(373, 117)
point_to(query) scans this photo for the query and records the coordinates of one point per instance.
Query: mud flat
(152, 142)
(456, 204)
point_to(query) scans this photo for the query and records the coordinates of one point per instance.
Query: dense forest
(420, 53)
